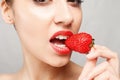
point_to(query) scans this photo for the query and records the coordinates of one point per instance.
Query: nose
(63, 15)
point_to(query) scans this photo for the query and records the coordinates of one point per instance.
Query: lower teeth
(60, 45)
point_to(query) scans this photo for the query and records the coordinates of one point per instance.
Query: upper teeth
(61, 37)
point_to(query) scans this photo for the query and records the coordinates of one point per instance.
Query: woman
(37, 22)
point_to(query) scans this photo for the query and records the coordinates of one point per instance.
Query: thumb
(89, 65)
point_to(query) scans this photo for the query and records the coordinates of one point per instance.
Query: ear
(7, 12)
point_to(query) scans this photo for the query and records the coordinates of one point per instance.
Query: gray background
(101, 18)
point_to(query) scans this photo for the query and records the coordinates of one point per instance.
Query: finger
(104, 76)
(112, 57)
(101, 51)
(90, 64)
(114, 63)
(98, 70)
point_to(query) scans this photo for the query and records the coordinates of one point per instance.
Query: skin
(35, 23)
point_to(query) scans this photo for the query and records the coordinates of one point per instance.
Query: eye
(75, 2)
(42, 2)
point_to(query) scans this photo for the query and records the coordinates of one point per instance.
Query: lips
(58, 42)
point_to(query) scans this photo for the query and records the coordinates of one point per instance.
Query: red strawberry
(81, 42)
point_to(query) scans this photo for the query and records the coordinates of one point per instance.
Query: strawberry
(81, 42)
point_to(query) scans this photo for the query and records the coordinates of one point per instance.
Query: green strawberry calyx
(92, 44)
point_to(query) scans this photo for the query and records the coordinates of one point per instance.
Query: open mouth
(58, 42)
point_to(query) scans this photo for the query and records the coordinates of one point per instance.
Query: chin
(59, 63)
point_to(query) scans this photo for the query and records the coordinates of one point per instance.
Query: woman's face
(40, 22)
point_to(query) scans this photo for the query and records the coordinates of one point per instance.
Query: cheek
(77, 21)
(32, 26)
(33, 20)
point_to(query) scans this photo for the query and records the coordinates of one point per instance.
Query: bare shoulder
(6, 77)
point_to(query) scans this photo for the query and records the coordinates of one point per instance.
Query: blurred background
(101, 18)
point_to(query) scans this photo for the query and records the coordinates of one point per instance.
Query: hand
(107, 70)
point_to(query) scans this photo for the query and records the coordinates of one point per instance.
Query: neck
(34, 69)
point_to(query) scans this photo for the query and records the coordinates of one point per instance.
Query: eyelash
(77, 1)
(80, 1)
(44, 2)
